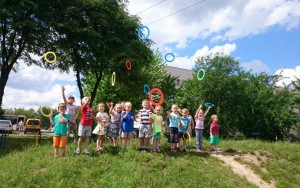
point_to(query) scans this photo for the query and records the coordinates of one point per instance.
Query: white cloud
(221, 20)
(256, 66)
(33, 86)
(188, 62)
(289, 75)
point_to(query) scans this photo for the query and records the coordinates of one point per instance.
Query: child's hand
(106, 125)
(211, 136)
(107, 104)
(209, 108)
(168, 113)
(63, 88)
(111, 103)
(201, 105)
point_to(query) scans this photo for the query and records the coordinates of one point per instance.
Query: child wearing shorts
(174, 119)
(214, 134)
(85, 126)
(145, 126)
(127, 125)
(115, 123)
(101, 128)
(157, 127)
(183, 129)
(60, 133)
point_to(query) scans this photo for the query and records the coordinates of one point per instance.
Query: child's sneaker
(210, 152)
(86, 151)
(216, 152)
(184, 150)
(157, 150)
(187, 145)
(145, 150)
(98, 149)
(201, 150)
(141, 149)
(63, 157)
(77, 150)
(153, 149)
(198, 150)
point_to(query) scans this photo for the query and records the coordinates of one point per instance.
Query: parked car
(32, 125)
(6, 125)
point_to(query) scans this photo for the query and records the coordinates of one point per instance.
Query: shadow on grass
(19, 143)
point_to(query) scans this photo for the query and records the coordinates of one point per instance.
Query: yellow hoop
(188, 135)
(48, 59)
(113, 79)
(41, 110)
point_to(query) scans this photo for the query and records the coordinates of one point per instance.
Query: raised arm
(63, 94)
(76, 115)
(111, 107)
(51, 119)
(207, 111)
(200, 106)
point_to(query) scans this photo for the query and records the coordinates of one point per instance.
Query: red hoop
(161, 94)
(128, 66)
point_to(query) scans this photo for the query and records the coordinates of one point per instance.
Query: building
(182, 74)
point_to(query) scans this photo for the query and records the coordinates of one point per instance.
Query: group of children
(121, 124)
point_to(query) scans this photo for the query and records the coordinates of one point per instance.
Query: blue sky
(263, 35)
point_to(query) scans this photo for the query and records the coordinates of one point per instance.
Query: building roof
(184, 74)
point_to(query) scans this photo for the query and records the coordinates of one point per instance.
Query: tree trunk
(3, 80)
(79, 84)
(93, 93)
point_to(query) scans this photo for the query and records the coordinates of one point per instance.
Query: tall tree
(244, 102)
(24, 31)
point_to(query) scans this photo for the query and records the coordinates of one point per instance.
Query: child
(183, 129)
(214, 134)
(158, 126)
(115, 123)
(72, 112)
(60, 132)
(145, 126)
(199, 118)
(127, 124)
(173, 127)
(85, 126)
(101, 128)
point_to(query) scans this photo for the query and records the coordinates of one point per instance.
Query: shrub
(239, 136)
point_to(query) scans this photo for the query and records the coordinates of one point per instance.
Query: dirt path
(244, 170)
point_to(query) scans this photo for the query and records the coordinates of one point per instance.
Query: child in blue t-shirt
(127, 125)
(183, 129)
(173, 127)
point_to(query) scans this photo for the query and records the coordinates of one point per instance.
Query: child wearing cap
(72, 112)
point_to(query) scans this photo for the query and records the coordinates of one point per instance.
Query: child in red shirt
(214, 134)
(85, 126)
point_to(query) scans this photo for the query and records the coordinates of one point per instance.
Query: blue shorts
(156, 137)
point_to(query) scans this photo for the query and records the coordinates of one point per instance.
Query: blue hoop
(203, 74)
(209, 104)
(145, 89)
(139, 33)
(171, 55)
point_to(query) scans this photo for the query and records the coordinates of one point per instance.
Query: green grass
(283, 163)
(36, 167)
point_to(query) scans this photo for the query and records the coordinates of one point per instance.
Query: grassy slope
(37, 167)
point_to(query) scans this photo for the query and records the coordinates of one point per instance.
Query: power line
(151, 7)
(177, 12)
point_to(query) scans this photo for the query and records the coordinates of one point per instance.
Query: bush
(239, 136)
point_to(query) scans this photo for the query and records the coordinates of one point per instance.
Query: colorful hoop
(41, 110)
(209, 104)
(161, 94)
(188, 136)
(113, 79)
(171, 55)
(202, 75)
(128, 66)
(139, 32)
(146, 86)
(48, 59)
